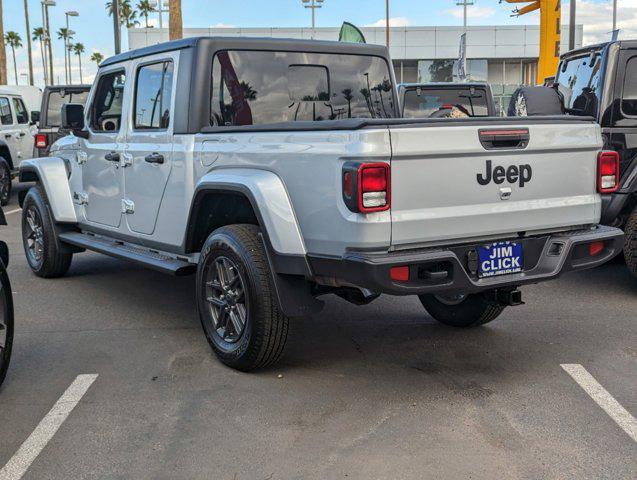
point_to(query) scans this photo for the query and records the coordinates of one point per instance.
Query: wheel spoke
(214, 284)
(217, 302)
(237, 325)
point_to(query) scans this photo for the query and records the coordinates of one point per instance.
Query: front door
(149, 143)
(24, 135)
(9, 131)
(101, 173)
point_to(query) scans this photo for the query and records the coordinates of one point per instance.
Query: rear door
(149, 141)
(24, 135)
(447, 184)
(9, 130)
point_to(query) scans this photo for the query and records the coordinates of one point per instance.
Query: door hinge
(81, 157)
(128, 206)
(80, 198)
(126, 160)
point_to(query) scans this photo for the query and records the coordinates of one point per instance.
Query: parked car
(278, 171)
(16, 138)
(53, 98)
(600, 81)
(440, 100)
(6, 308)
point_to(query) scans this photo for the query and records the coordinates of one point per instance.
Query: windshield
(458, 102)
(579, 80)
(57, 98)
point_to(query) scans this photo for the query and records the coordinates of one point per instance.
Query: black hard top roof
(450, 85)
(80, 86)
(220, 43)
(599, 46)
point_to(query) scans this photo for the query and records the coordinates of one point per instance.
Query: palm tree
(14, 41)
(29, 53)
(175, 25)
(347, 94)
(38, 35)
(127, 14)
(65, 34)
(3, 53)
(78, 48)
(97, 57)
(145, 8)
(248, 92)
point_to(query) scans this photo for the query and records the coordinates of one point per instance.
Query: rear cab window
(56, 99)
(265, 87)
(6, 117)
(579, 80)
(455, 102)
(629, 93)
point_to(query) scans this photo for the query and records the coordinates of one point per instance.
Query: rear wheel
(6, 322)
(630, 243)
(5, 182)
(461, 310)
(39, 239)
(236, 299)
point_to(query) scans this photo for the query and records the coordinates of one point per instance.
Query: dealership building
(504, 56)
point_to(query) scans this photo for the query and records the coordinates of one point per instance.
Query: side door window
(153, 94)
(21, 113)
(629, 94)
(106, 111)
(5, 112)
(9, 132)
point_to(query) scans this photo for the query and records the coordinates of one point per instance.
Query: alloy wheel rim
(34, 235)
(225, 295)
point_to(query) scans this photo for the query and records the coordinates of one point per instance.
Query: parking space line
(604, 399)
(17, 466)
(13, 211)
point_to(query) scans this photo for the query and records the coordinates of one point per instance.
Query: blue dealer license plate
(500, 258)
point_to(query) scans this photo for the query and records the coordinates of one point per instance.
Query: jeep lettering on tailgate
(514, 173)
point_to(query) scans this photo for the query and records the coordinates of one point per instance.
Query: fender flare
(52, 174)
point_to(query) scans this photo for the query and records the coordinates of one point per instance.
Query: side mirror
(35, 117)
(72, 116)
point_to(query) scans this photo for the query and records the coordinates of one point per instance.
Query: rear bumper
(546, 257)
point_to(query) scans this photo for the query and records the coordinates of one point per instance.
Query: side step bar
(139, 255)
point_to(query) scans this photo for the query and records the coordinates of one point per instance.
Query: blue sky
(94, 28)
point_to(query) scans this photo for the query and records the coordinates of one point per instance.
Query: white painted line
(17, 466)
(13, 211)
(604, 399)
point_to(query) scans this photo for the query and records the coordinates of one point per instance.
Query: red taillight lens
(399, 274)
(373, 191)
(348, 184)
(607, 172)
(595, 248)
(40, 140)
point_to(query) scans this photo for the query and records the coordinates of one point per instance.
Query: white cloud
(393, 22)
(472, 12)
(223, 25)
(597, 19)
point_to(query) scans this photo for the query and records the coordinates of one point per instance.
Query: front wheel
(41, 246)
(461, 310)
(236, 299)
(6, 322)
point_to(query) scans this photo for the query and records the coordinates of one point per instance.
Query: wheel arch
(52, 174)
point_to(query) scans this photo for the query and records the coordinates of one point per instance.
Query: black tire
(5, 182)
(466, 311)
(41, 245)
(630, 243)
(6, 322)
(257, 338)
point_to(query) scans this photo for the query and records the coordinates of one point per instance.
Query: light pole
(571, 25)
(313, 4)
(614, 15)
(45, 12)
(387, 22)
(160, 7)
(464, 4)
(67, 53)
(116, 27)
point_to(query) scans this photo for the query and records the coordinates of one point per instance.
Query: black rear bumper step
(134, 254)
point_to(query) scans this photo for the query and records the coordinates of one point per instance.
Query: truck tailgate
(448, 185)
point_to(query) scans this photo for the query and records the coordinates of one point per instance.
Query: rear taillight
(366, 187)
(607, 172)
(41, 140)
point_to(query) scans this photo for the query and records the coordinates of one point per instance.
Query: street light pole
(571, 26)
(313, 4)
(464, 4)
(46, 4)
(614, 15)
(387, 22)
(116, 27)
(67, 51)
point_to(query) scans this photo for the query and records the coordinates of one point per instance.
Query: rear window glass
(260, 87)
(58, 98)
(579, 81)
(428, 103)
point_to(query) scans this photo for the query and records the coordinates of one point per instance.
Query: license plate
(500, 258)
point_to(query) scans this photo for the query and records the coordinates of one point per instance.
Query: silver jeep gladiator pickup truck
(277, 171)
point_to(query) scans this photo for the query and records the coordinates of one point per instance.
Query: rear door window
(426, 103)
(56, 99)
(629, 95)
(579, 82)
(5, 112)
(153, 96)
(21, 113)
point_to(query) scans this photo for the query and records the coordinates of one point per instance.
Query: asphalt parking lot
(374, 392)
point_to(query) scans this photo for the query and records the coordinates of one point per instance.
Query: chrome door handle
(7, 135)
(22, 134)
(154, 158)
(112, 157)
